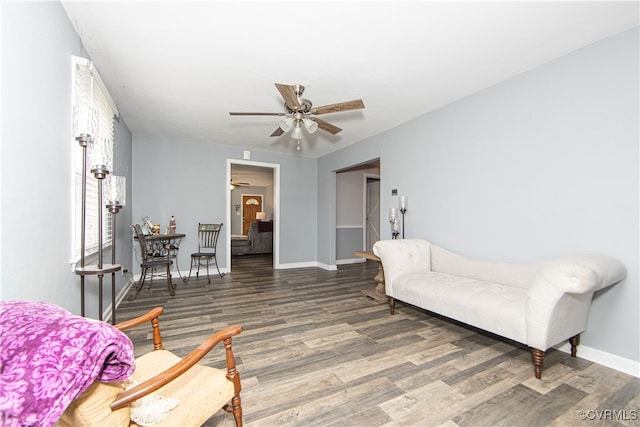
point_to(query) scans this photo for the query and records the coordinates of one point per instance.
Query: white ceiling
(175, 69)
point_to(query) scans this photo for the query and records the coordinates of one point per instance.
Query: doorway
(258, 179)
(357, 210)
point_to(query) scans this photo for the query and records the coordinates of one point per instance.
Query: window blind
(93, 114)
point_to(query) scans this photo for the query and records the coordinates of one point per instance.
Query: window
(93, 114)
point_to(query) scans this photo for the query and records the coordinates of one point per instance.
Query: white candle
(393, 214)
(403, 203)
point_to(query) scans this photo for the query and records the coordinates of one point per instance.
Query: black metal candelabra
(403, 210)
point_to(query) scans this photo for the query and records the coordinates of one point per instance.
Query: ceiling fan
(300, 110)
(233, 184)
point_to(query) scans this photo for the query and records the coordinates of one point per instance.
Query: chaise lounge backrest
(511, 274)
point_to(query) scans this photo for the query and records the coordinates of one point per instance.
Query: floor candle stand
(100, 171)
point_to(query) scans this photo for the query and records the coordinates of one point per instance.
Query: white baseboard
(603, 358)
(305, 265)
(330, 267)
(106, 313)
(350, 261)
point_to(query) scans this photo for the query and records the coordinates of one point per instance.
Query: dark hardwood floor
(315, 352)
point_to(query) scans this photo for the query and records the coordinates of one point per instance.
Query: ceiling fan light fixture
(286, 124)
(310, 125)
(297, 132)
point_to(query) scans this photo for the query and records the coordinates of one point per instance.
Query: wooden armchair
(200, 390)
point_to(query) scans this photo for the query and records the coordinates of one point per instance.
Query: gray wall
(35, 233)
(190, 181)
(540, 166)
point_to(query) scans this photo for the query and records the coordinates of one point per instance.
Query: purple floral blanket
(49, 356)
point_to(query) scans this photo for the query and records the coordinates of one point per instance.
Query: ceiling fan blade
(256, 114)
(326, 126)
(288, 92)
(278, 132)
(341, 106)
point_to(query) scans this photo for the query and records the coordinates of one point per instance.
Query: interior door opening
(357, 210)
(253, 190)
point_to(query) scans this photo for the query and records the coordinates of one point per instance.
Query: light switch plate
(247, 155)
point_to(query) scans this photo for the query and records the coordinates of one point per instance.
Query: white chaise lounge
(538, 304)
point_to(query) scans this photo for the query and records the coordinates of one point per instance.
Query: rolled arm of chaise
(559, 299)
(402, 256)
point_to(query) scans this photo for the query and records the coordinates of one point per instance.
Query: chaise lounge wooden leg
(392, 305)
(537, 357)
(575, 342)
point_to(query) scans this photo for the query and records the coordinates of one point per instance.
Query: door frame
(365, 195)
(276, 207)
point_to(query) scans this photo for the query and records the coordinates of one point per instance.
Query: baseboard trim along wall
(350, 261)
(106, 312)
(307, 264)
(603, 358)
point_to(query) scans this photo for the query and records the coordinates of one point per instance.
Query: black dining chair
(150, 262)
(207, 241)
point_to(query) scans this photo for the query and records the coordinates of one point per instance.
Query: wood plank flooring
(315, 352)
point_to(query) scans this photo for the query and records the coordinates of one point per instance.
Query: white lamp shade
(286, 124)
(310, 125)
(297, 131)
(261, 215)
